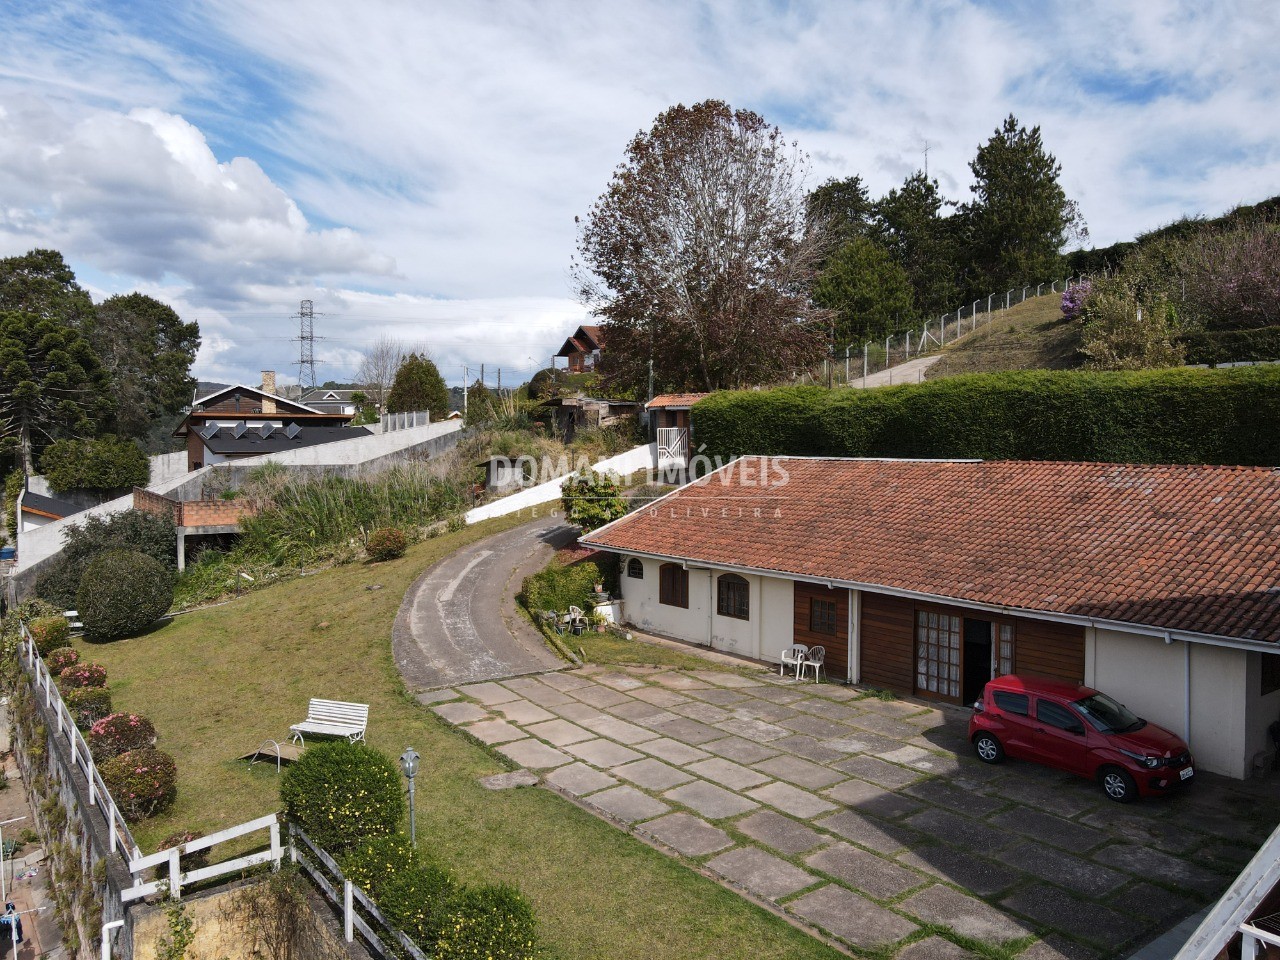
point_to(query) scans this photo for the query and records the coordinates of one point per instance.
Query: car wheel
(988, 748)
(1118, 785)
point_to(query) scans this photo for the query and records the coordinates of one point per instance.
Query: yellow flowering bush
(488, 923)
(341, 793)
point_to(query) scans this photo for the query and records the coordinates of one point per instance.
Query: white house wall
(1149, 676)
(641, 607)
(777, 617)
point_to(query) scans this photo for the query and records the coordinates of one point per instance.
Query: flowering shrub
(187, 861)
(82, 674)
(88, 705)
(49, 633)
(387, 543)
(1074, 298)
(488, 923)
(371, 862)
(341, 793)
(61, 658)
(142, 782)
(120, 733)
(417, 899)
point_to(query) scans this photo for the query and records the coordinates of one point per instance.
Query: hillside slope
(1031, 336)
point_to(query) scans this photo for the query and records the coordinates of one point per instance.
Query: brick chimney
(268, 386)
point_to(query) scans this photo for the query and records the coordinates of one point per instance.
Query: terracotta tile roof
(1190, 548)
(679, 400)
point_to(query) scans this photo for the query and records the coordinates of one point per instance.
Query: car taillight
(977, 706)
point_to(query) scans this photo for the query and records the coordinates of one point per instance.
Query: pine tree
(418, 386)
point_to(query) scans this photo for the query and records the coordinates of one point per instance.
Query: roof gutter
(1209, 639)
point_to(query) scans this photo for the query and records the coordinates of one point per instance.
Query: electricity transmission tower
(307, 339)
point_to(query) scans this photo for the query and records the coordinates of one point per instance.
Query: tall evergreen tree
(869, 293)
(418, 386)
(1020, 218)
(909, 224)
(842, 208)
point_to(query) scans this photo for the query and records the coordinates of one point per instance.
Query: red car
(1079, 730)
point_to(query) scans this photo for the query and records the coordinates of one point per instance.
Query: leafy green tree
(133, 530)
(591, 500)
(910, 226)
(1020, 218)
(418, 386)
(869, 294)
(699, 255)
(148, 351)
(41, 284)
(842, 208)
(108, 463)
(480, 404)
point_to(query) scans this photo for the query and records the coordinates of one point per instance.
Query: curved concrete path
(459, 623)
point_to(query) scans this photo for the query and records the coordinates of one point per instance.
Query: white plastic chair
(793, 656)
(815, 659)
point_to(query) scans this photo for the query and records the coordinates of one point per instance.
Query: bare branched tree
(378, 368)
(699, 256)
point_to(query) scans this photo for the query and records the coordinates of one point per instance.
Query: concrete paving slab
(428, 697)
(494, 731)
(734, 681)
(1058, 795)
(786, 692)
(739, 750)
(865, 871)
(523, 712)
(579, 779)
(687, 834)
(680, 681)
(781, 833)
(559, 732)
(627, 804)
(934, 948)
(801, 772)
(851, 918)
(755, 709)
(877, 835)
(960, 831)
(488, 693)
(803, 745)
(792, 800)
(868, 798)
(822, 707)
(458, 712)
(889, 708)
(846, 745)
(702, 712)
(564, 682)
(660, 697)
(688, 731)
(509, 781)
(819, 727)
(575, 712)
(761, 873)
(967, 916)
(673, 751)
(1055, 830)
(619, 681)
(719, 696)
(885, 726)
(535, 690)
(978, 874)
(1082, 876)
(728, 774)
(534, 754)
(651, 774)
(962, 798)
(714, 803)
(637, 711)
(756, 730)
(618, 730)
(602, 753)
(1077, 918)
(600, 697)
(1145, 862)
(877, 771)
(654, 721)
(1057, 947)
(1148, 900)
(904, 755)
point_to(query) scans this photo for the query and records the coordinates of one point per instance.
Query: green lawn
(217, 682)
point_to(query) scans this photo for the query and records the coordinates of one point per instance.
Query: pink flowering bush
(83, 675)
(88, 705)
(142, 782)
(119, 733)
(49, 633)
(61, 658)
(1074, 298)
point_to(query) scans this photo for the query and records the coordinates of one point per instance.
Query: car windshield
(1107, 715)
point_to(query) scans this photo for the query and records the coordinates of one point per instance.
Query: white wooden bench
(333, 718)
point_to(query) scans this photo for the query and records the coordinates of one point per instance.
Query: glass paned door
(1004, 649)
(938, 653)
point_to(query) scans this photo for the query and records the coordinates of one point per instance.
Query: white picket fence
(120, 838)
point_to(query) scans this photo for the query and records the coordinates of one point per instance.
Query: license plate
(1188, 773)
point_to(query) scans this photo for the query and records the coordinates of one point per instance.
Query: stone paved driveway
(868, 818)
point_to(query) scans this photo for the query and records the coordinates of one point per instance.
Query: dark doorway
(977, 658)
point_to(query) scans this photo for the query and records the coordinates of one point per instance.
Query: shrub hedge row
(1155, 416)
(1225, 346)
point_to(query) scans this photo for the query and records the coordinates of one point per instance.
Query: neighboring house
(328, 400)
(1156, 584)
(572, 414)
(673, 430)
(36, 510)
(239, 421)
(582, 350)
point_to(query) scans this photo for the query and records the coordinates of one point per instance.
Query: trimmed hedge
(342, 793)
(387, 543)
(122, 592)
(1153, 416)
(142, 782)
(49, 633)
(82, 674)
(119, 733)
(59, 659)
(88, 705)
(488, 923)
(1227, 346)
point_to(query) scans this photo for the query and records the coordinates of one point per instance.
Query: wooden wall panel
(837, 646)
(887, 639)
(1045, 649)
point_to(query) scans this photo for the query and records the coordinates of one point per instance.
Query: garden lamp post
(3, 894)
(409, 766)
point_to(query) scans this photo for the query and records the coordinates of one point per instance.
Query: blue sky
(415, 168)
